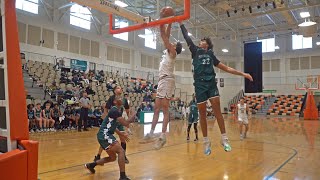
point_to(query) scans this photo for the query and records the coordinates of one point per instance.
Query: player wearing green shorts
(125, 106)
(203, 60)
(193, 119)
(107, 140)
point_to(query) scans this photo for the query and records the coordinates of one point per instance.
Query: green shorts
(105, 143)
(205, 90)
(121, 128)
(193, 118)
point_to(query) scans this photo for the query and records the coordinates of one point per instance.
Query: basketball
(166, 12)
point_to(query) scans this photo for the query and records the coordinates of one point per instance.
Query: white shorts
(166, 88)
(243, 120)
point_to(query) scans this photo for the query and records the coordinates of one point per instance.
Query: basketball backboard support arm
(110, 8)
(168, 20)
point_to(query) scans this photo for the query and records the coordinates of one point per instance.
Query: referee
(84, 103)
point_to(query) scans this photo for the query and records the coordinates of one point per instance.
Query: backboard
(307, 83)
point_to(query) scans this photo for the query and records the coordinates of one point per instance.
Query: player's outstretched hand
(248, 76)
(125, 136)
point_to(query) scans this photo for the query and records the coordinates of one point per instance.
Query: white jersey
(166, 65)
(242, 111)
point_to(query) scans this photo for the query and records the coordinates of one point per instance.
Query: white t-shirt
(166, 67)
(242, 110)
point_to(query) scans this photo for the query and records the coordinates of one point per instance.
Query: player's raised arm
(165, 39)
(186, 36)
(234, 71)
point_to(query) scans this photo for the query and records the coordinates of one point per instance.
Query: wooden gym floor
(276, 148)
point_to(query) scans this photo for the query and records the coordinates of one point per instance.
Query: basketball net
(156, 33)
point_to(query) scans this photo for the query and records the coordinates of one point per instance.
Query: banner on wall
(78, 65)
(221, 82)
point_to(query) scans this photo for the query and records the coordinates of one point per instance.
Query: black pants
(84, 118)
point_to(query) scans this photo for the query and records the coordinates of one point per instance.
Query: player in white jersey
(166, 85)
(242, 111)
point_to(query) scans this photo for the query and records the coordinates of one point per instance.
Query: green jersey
(109, 124)
(203, 62)
(193, 107)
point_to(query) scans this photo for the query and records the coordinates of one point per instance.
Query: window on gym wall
(28, 5)
(80, 16)
(121, 24)
(300, 42)
(268, 45)
(149, 40)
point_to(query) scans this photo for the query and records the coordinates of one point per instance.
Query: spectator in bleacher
(69, 118)
(68, 94)
(85, 79)
(47, 119)
(56, 115)
(98, 113)
(47, 102)
(148, 107)
(31, 118)
(75, 79)
(127, 98)
(91, 118)
(89, 90)
(38, 117)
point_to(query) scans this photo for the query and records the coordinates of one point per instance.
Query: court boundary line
(295, 152)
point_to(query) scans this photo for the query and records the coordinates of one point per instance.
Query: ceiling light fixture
(228, 13)
(189, 34)
(250, 9)
(276, 47)
(225, 50)
(274, 4)
(318, 43)
(305, 14)
(121, 4)
(307, 23)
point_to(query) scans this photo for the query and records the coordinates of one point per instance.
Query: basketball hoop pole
(186, 15)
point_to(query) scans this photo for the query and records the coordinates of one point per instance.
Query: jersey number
(206, 61)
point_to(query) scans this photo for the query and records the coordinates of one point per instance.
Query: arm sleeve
(192, 47)
(215, 60)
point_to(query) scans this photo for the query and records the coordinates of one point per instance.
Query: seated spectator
(47, 119)
(68, 94)
(98, 113)
(38, 117)
(69, 118)
(75, 80)
(31, 118)
(56, 115)
(89, 90)
(148, 107)
(91, 118)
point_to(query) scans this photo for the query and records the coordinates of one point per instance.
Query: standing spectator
(84, 103)
(184, 112)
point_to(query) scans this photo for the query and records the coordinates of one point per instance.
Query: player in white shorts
(166, 85)
(242, 111)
